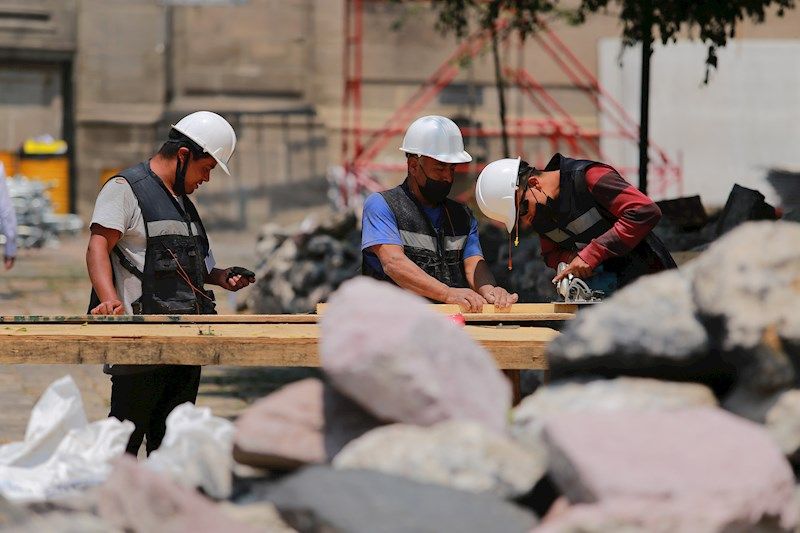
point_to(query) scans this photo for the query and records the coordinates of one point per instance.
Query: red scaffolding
(360, 146)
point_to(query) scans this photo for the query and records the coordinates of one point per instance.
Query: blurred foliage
(714, 22)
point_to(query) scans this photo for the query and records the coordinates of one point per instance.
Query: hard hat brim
(222, 165)
(459, 157)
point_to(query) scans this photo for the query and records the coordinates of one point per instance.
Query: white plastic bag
(59, 410)
(61, 452)
(197, 450)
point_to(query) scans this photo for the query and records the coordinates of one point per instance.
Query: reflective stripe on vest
(577, 226)
(426, 242)
(418, 240)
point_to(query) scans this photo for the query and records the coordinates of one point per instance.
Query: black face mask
(546, 213)
(434, 191)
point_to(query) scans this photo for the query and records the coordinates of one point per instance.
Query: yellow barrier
(9, 160)
(51, 170)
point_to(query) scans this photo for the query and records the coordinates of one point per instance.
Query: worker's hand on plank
(469, 300)
(500, 297)
(109, 307)
(577, 267)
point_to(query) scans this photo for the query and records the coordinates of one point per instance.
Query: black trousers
(146, 398)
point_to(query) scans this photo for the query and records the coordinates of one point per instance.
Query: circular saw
(575, 291)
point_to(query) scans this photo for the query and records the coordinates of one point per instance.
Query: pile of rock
(641, 429)
(297, 270)
(674, 407)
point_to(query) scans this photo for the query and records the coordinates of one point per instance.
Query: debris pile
(298, 270)
(37, 224)
(681, 418)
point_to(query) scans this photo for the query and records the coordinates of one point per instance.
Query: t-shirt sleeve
(378, 223)
(115, 206)
(473, 244)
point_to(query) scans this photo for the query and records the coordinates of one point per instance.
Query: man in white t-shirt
(149, 254)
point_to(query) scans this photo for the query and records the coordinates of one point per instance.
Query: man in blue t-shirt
(416, 237)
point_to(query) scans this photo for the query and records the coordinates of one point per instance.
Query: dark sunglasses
(522, 179)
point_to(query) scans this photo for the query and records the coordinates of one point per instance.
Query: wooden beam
(523, 313)
(223, 344)
(159, 319)
(526, 312)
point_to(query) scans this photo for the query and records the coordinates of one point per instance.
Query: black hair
(525, 171)
(175, 141)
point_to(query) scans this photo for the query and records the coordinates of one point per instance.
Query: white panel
(746, 120)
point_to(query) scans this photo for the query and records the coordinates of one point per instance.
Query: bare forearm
(478, 275)
(99, 265)
(411, 277)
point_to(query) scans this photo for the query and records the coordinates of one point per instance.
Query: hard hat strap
(180, 174)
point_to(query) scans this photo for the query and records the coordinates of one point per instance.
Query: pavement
(53, 281)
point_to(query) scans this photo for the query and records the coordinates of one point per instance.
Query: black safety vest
(580, 218)
(440, 254)
(175, 252)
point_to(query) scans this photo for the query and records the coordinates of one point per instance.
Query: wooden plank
(525, 312)
(515, 317)
(222, 344)
(518, 316)
(160, 319)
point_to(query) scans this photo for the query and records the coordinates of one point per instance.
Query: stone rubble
(641, 428)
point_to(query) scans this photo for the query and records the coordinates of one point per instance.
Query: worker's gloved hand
(249, 275)
(469, 300)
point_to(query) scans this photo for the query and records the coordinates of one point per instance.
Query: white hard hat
(436, 137)
(496, 191)
(212, 133)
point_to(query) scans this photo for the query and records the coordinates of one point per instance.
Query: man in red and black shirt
(589, 217)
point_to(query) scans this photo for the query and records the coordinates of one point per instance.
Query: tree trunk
(501, 96)
(644, 113)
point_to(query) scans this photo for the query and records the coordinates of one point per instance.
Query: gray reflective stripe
(585, 221)
(418, 240)
(580, 245)
(169, 227)
(455, 243)
(557, 235)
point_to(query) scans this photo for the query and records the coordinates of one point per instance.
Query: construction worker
(416, 237)
(585, 213)
(148, 253)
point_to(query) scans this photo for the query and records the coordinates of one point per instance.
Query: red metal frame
(358, 156)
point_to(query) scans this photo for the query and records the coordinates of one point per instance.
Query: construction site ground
(53, 281)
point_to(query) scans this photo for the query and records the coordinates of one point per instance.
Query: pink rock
(700, 457)
(136, 499)
(402, 361)
(612, 516)
(302, 423)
